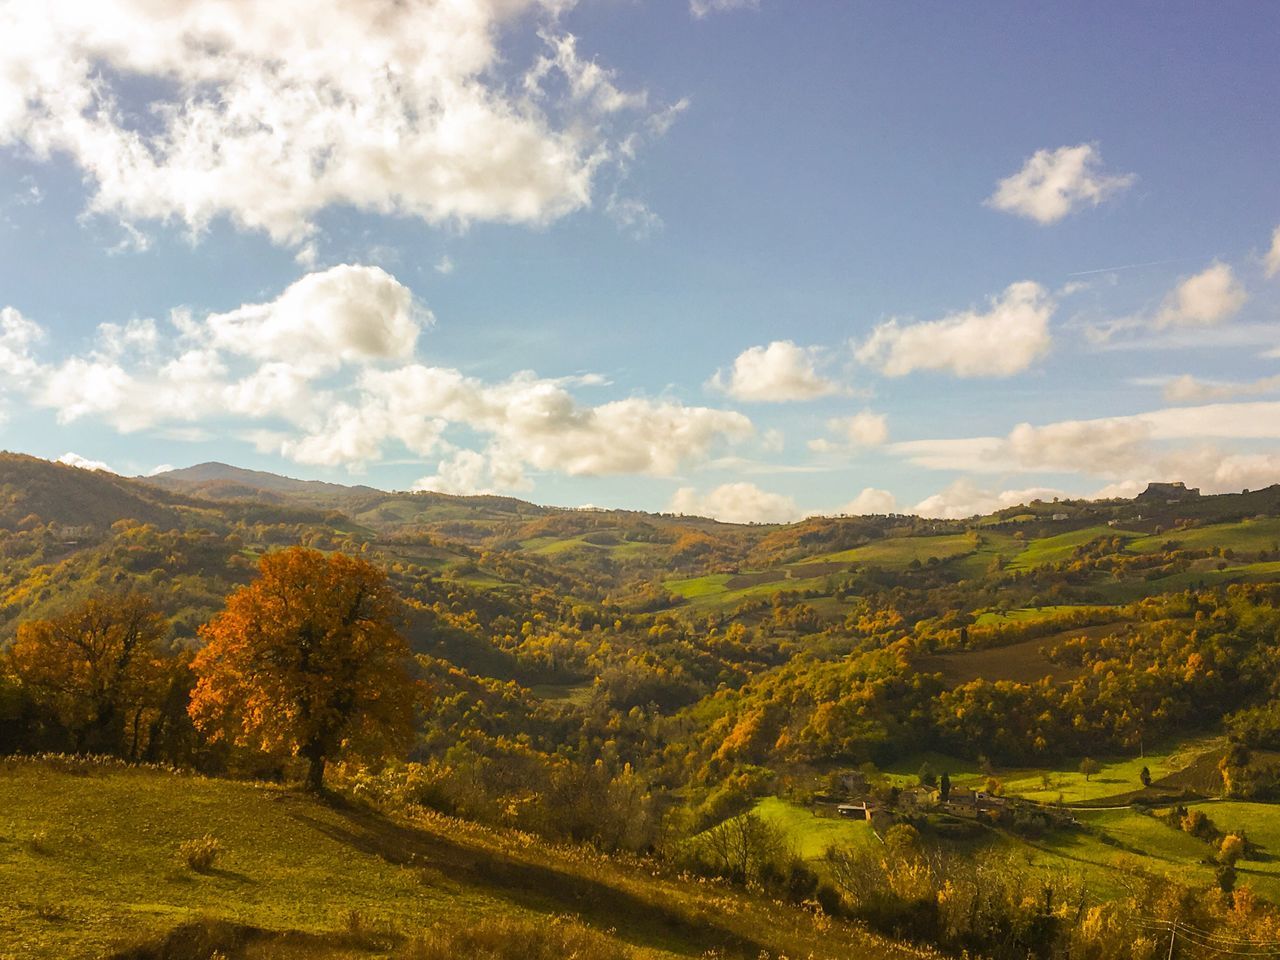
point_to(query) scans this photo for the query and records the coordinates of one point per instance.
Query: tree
(742, 848)
(1145, 777)
(1089, 766)
(98, 669)
(1231, 849)
(944, 787)
(926, 775)
(307, 659)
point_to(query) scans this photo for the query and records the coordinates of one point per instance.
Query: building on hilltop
(1169, 492)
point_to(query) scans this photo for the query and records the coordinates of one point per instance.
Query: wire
(1208, 940)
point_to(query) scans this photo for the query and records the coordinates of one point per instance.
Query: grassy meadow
(90, 864)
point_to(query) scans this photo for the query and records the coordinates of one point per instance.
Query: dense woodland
(632, 681)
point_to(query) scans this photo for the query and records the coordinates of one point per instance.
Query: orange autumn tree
(307, 659)
(99, 668)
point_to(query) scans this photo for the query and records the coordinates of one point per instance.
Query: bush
(510, 938)
(200, 854)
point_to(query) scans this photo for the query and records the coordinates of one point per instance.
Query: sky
(749, 260)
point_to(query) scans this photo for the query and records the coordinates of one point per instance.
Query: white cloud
(704, 8)
(1052, 183)
(777, 373)
(1271, 264)
(319, 375)
(864, 429)
(1179, 443)
(869, 502)
(633, 217)
(536, 421)
(83, 463)
(1005, 339)
(1203, 300)
(346, 314)
(268, 113)
(1189, 389)
(18, 336)
(161, 468)
(963, 499)
(469, 473)
(1089, 446)
(444, 265)
(736, 503)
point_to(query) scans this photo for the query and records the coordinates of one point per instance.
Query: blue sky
(747, 260)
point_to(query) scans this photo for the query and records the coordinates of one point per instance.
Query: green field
(1249, 536)
(1207, 575)
(692, 588)
(991, 618)
(809, 833)
(1060, 547)
(899, 552)
(89, 862)
(711, 592)
(1117, 777)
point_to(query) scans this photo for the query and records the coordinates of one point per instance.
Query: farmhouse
(969, 803)
(855, 811)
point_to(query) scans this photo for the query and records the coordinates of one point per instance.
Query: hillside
(636, 685)
(221, 481)
(89, 866)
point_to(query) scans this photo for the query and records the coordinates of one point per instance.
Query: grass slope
(89, 860)
(1249, 536)
(809, 833)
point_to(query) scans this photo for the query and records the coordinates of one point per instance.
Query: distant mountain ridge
(214, 476)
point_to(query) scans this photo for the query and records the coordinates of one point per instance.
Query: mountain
(31, 488)
(221, 481)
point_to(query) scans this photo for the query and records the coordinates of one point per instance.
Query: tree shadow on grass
(231, 875)
(532, 886)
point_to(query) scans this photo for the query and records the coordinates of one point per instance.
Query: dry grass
(512, 938)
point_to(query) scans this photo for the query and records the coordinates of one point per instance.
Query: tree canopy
(307, 659)
(97, 668)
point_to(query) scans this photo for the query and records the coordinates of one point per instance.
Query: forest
(698, 695)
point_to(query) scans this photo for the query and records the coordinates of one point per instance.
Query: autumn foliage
(307, 659)
(100, 669)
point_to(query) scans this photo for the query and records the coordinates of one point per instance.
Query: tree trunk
(315, 767)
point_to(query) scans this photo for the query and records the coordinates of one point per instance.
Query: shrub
(38, 842)
(510, 938)
(200, 854)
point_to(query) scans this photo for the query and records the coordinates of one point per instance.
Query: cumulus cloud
(18, 337)
(777, 373)
(704, 8)
(736, 503)
(1183, 443)
(1204, 300)
(870, 502)
(268, 113)
(1271, 263)
(537, 422)
(963, 499)
(1091, 446)
(469, 473)
(1006, 338)
(346, 314)
(83, 463)
(326, 374)
(1189, 389)
(864, 429)
(1052, 183)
